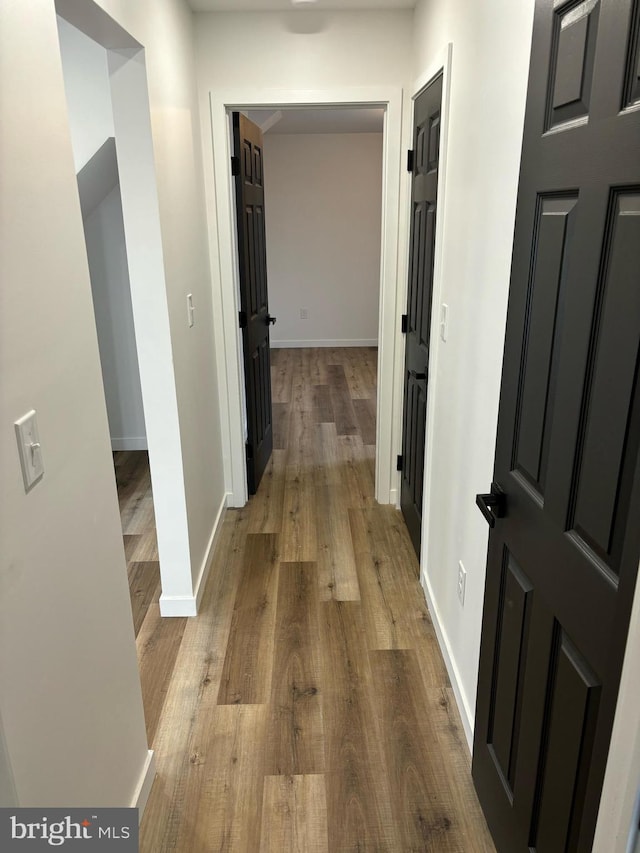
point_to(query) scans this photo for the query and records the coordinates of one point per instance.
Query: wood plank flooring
(157, 639)
(308, 707)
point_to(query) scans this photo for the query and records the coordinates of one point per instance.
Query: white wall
(491, 44)
(107, 256)
(314, 50)
(323, 196)
(70, 698)
(86, 80)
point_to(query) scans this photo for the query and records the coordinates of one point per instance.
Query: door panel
(426, 148)
(562, 562)
(254, 301)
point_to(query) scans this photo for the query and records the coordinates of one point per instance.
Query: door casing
(225, 274)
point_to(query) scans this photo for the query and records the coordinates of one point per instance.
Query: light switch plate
(29, 449)
(444, 321)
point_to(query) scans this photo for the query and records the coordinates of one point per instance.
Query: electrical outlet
(304, 313)
(462, 582)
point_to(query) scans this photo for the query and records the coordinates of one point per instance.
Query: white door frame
(225, 267)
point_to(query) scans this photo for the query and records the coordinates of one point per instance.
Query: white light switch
(444, 321)
(190, 309)
(29, 449)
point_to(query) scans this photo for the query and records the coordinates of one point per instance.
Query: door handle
(493, 505)
(415, 375)
(271, 320)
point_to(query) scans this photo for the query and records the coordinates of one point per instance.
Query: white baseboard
(187, 605)
(211, 547)
(133, 443)
(348, 342)
(394, 498)
(143, 789)
(178, 605)
(454, 676)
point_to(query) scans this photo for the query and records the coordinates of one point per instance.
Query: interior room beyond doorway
(323, 203)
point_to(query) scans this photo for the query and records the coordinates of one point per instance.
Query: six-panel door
(562, 564)
(254, 301)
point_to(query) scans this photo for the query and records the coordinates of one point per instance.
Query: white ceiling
(319, 120)
(280, 5)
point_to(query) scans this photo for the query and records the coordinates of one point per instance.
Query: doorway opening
(322, 211)
(388, 104)
(108, 109)
(323, 198)
(87, 86)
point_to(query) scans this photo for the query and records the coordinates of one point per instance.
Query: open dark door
(254, 303)
(564, 548)
(423, 162)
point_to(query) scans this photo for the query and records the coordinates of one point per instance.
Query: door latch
(493, 505)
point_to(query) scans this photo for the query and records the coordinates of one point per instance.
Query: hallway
(307, 707)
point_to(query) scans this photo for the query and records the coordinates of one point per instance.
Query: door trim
(224, 268)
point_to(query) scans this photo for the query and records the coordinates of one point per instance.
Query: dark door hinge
(404, 324)
(249, 449)
(410, 160)
(242, 319)
(235, 165)
(399, 463)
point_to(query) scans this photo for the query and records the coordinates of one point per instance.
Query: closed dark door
(424, 190)
(254, 303)
(563, 560)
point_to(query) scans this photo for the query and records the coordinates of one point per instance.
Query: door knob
(271, 320)
(493, 505)
(415, 375)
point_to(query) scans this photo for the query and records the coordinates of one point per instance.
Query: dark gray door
(424, 201)
(563, 560)
(248, 167)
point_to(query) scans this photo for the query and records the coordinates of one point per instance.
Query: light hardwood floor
(307, 708)
(138, 529)
(157, 640)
